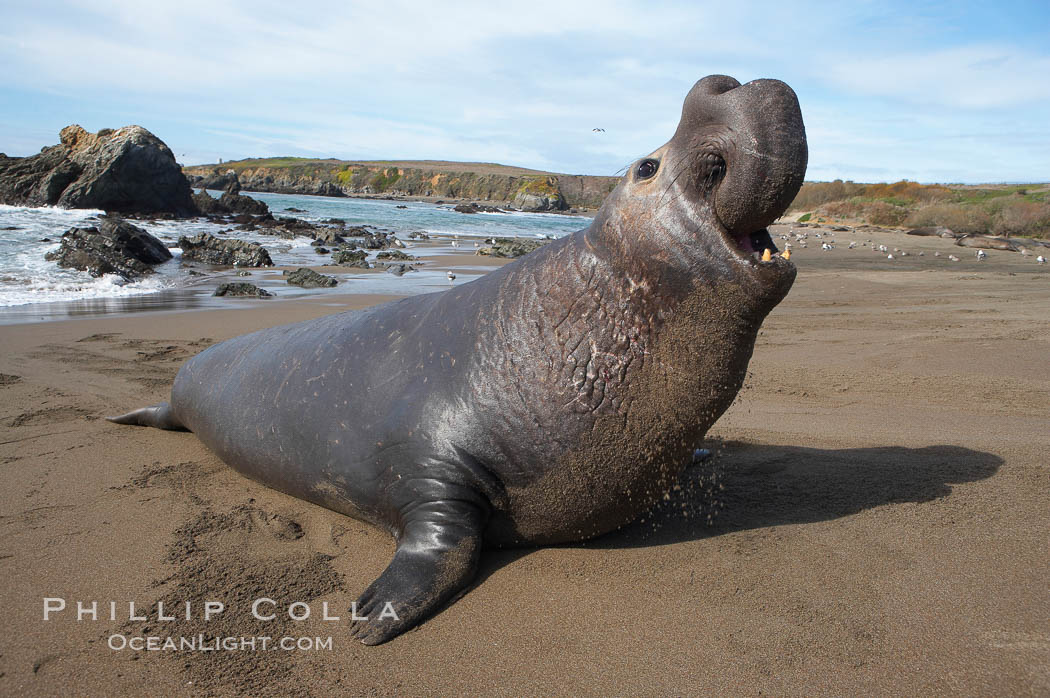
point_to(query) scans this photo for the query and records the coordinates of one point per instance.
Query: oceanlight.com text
(205, 643)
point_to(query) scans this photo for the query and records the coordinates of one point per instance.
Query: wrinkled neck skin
(621, 345)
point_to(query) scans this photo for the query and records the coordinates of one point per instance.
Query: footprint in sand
(50, 415)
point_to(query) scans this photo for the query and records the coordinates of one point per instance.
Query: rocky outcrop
(216, 180)
(328, 236)
(540, 194)
(128, 170)
(229, 204)
(350, 258)
(475, 207)
(308, 278)
(511, 247)
(229, 253)
(114, 247)
(395, 255)
(287, 228)
(399, 269)
(241, 288)
(374, 240)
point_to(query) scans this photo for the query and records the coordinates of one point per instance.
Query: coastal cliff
(528, 190)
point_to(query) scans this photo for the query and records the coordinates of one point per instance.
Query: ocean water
(33, 288)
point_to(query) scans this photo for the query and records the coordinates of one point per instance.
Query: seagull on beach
(981, 255)
(1041, 259)
(451, 277)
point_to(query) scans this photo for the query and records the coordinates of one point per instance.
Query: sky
(953, 91)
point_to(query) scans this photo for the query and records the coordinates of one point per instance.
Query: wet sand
(874, 519)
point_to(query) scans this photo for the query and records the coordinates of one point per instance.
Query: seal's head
(698, 207)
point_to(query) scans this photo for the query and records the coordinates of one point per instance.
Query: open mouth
(757, 245)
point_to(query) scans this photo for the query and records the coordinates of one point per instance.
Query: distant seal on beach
(551, 400)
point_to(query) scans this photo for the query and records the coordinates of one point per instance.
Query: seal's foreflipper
(159, 416)
(437, 556)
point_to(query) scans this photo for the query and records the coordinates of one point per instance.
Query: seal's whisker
(681, 170)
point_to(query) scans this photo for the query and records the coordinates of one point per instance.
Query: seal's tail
(159, 416)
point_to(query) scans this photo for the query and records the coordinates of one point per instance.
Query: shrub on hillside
(961, 218)
(1021, 217)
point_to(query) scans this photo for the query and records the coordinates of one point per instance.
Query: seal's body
(551, 400)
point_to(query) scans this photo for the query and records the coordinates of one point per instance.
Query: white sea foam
(55, 289)
(26, 277)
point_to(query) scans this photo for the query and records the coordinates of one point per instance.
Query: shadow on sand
(745, 486)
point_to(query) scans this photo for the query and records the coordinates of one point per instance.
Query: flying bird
(596, 130)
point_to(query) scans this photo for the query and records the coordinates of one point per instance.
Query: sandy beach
(873, 521)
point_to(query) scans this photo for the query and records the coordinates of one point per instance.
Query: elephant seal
(551, 400)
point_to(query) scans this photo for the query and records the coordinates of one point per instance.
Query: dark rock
(241, 289)
(477, 208)
(295, 224)
(128, 170)
(229, 204)
(293, 209)
(350, 258)
(419, 235)
(239, 204)
(328, 236)
(322, 250)
(287, 228)
(401, 206)
(394, 254)
(115, 247)
(226, 252)
(399, 269)
(511, 247)
(308, 278)
(248, 219)
(206, 204)
(377, 240)
(334, 221)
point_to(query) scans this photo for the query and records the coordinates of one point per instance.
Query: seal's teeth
(767, 255)
(786, 254)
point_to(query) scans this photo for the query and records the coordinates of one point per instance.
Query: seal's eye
(647, 168)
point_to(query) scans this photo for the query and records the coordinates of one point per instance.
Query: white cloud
(521, 84)
(965, 77)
